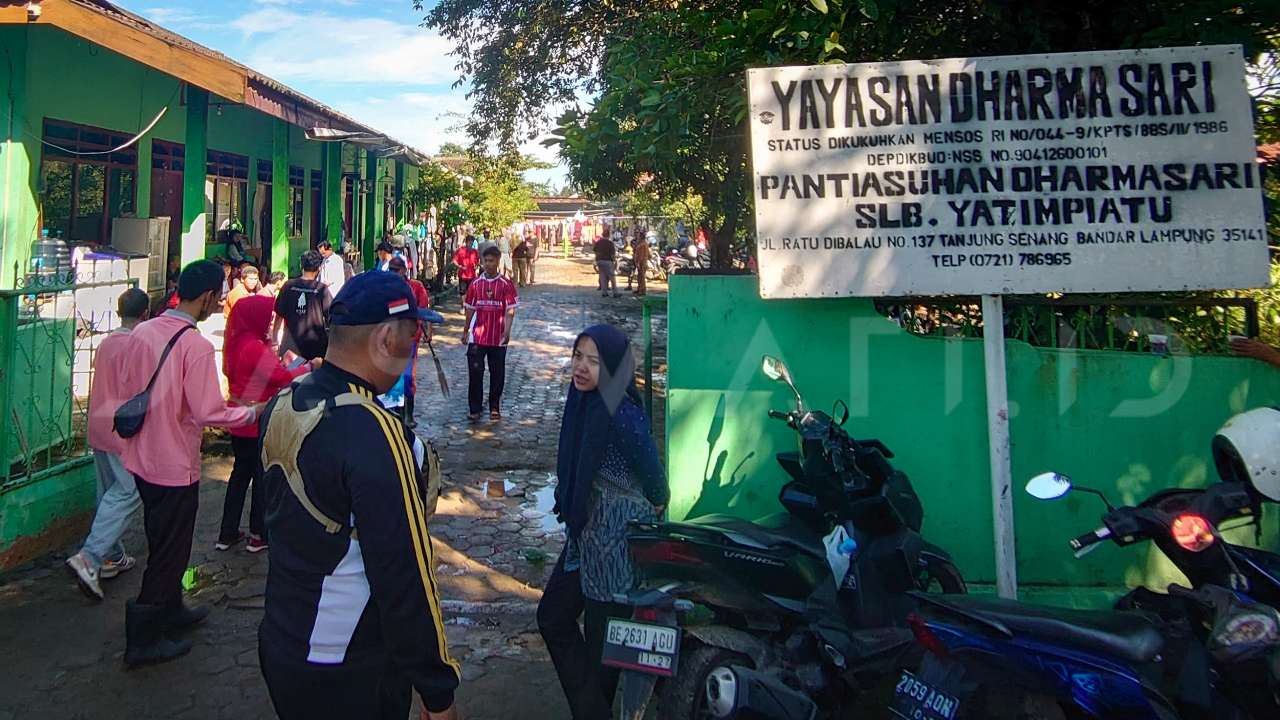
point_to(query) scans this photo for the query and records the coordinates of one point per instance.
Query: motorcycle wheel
(684, 697)
(937, 575)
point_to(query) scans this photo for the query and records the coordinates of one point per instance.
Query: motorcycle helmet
(1247, 450)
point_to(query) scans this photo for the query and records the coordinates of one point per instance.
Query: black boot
(183, 617)
(144, 633)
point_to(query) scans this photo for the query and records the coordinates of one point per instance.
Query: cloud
(424, 120)
(175, 17)
(320, 47)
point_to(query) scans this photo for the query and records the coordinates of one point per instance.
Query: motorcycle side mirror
(777, 371)
(841, 411)
(1049, 486)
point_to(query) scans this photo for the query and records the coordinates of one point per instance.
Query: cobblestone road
(494, 545)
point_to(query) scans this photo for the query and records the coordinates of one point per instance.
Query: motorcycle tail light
(645, 614)
(925, 637)
(667, 551)
(1192, 532)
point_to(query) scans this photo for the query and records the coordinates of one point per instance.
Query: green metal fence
(1134, 323)
(50, 329)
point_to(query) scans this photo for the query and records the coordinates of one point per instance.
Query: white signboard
(1115, 171)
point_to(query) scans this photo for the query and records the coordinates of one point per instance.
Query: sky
(369, 59)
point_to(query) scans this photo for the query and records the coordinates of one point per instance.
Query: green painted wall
(1126, 423)
(333, 210)
(18, 152)
(372, 211)
(48, 513)
(280, 197)
(119, 94)
(193, 177)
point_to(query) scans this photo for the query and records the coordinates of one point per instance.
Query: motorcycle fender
(722, 636)
(929, 548)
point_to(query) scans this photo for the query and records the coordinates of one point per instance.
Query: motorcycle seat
(779, 529)
(1132, 636)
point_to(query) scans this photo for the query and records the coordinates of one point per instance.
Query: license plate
(641, 647)
(916, 700)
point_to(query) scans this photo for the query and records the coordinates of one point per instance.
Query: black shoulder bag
(130, 416)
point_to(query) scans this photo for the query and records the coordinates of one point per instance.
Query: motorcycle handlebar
(1085, 542)
(779, 415)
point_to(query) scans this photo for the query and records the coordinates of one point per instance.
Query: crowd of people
(319, 406)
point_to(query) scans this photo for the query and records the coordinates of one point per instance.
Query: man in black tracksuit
(352, 620)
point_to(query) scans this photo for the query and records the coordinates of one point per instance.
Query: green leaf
(819, 5)
(869, 8)
(653, 98)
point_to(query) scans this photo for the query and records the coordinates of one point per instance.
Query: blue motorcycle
(1211, 649)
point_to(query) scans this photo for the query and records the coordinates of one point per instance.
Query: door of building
(166, 199)
(168, 160)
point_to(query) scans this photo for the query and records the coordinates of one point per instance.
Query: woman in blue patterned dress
(608, 473)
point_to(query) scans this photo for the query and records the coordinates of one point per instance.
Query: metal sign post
(998, 438)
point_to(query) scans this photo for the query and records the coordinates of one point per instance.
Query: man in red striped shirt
(490, 304)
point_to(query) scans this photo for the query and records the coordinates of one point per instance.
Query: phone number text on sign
(1079, 172)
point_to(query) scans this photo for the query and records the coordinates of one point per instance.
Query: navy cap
(374, 296)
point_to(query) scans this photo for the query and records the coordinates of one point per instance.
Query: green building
(104, 115)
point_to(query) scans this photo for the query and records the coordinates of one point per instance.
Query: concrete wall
(1126, 423)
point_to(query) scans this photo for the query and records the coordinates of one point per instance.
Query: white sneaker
(112, 568)
(86, 576)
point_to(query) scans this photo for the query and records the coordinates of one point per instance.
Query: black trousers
(169, 515)
(588, 686)
(477, 356)
(246, 473)
(306, 691)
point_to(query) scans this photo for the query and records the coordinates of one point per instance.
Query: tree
(498, 196)
(451, 148)
(668, 78)
(436, 186)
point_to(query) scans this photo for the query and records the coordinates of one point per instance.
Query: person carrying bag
(130, 416)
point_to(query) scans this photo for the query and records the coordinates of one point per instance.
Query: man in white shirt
(332, 272)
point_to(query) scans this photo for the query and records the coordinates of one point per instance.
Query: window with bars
(168, 156)
(225, 194)
(297, 184)
(81, 193)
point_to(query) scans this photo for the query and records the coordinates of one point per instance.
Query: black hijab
(588, 424)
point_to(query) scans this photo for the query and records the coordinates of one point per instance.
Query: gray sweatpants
(607, 278)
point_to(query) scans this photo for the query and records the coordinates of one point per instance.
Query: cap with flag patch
(372, 297)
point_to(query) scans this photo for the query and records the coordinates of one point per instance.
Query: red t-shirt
(421, 297)
(490, 298)
(467, 260)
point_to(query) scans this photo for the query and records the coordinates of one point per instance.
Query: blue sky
(367, 58)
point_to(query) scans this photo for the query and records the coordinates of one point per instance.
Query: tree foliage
(436, 186)
(498, 196)
(667, 78)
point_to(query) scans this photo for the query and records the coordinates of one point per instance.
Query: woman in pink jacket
(254, 374)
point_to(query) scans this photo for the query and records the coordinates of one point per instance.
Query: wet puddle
(501, 488)
(542, 500)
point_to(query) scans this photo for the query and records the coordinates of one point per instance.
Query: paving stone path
(493, 538)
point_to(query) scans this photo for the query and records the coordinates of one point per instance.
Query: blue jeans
(117, 500)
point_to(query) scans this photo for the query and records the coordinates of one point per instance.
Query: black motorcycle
(786, 637)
